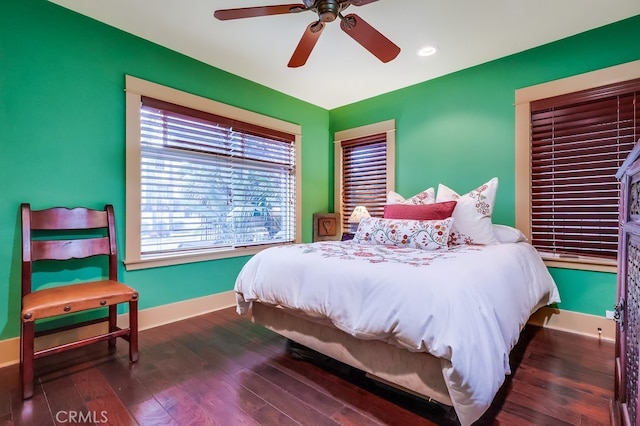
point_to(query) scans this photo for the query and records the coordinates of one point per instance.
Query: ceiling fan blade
(380, 46)
(250, 12)
(306, 44)
(361, 2)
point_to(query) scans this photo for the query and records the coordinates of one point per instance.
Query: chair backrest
(68, 243)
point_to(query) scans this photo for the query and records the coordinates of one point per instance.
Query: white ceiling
(339, 71)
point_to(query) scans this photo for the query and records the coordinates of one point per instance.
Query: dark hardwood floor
(221, 369)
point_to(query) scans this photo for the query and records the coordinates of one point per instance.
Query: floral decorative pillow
(472, 214)
(428, 196)
(418, 234)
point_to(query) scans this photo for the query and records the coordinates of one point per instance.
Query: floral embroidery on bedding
(351, 250)
(417, 234)
(481, 200)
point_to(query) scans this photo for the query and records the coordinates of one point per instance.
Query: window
(575, 144)
(578, 142)
(205, 180)
(365, 168)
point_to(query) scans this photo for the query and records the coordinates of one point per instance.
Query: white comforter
(466, 305)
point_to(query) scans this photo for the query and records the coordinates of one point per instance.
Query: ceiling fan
(327, 11)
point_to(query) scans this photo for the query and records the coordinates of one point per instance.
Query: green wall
(62, 136)
(62, 133)
(459, 130)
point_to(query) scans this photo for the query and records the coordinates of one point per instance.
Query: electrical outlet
(609, 314)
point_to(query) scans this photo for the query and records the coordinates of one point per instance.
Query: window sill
(580, 263)
(192, 257)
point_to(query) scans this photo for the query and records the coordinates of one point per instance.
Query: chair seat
(74, 298)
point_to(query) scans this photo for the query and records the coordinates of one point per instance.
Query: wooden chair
(81, 233)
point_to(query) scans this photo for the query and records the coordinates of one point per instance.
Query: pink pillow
(436, 211)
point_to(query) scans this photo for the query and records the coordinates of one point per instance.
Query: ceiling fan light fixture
(327, 10)
(427, 51)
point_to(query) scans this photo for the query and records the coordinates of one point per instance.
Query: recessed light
(427, 51)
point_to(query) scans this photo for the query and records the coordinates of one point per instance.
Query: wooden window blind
(364, 175)
(208, 182)
(578, 142)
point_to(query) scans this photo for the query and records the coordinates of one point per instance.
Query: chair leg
(27, 336)
(133, 331)
(113, 324)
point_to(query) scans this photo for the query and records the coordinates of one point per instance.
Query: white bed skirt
(416, 372)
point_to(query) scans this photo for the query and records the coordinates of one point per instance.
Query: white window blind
(579, 141)
(208, 182)
(364, 175)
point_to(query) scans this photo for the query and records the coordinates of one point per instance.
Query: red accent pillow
(436, 211)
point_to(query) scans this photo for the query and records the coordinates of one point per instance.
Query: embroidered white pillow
(417, 234)
(472, 214)
(428, 196)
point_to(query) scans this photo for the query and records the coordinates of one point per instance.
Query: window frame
(137, 88)
(523, 99)
(387, 127)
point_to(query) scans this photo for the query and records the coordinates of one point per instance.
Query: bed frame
(418, 373)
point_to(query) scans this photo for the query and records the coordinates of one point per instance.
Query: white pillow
(417, 234)
(508, 234)
(428, 196)
(472, 215)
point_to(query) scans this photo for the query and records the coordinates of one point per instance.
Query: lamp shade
(359, 213)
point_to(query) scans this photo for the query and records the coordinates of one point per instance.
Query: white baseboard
(575, 322)
(572, 322)
(147, 318)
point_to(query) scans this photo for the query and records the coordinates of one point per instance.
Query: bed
(431, 305)
(440, 324)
